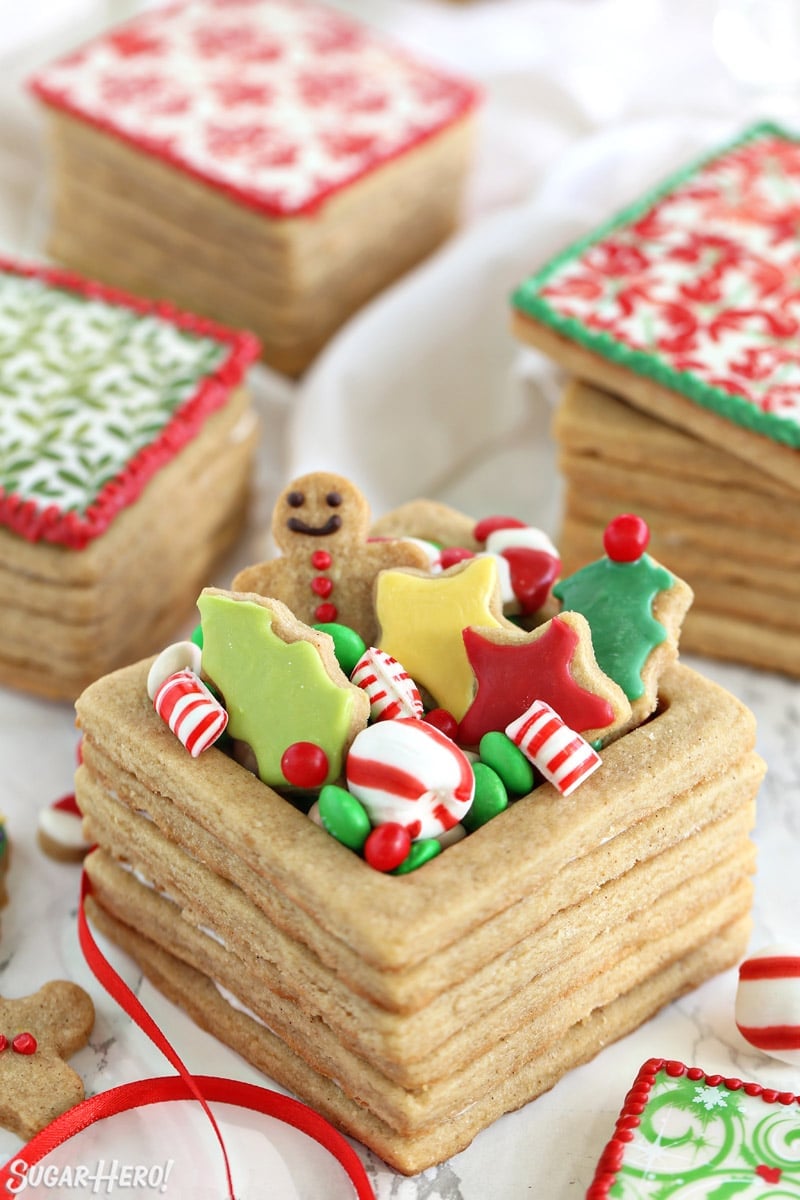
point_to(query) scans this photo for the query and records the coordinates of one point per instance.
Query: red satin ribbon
(183, 1086)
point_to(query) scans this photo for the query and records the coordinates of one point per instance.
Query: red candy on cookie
(626, 538)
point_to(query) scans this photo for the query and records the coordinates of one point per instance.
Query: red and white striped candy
(391, 690)
(193, 714)
(768, 1002)
(562, 756)
(410, 773)
(180, 656)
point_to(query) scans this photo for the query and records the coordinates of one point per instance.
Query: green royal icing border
(733, 408)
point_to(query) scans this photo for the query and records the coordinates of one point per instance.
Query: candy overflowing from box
(679, 318)
(386, 907)
(126, 439)
(271, 165)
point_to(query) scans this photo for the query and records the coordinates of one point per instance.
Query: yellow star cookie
(421, 619)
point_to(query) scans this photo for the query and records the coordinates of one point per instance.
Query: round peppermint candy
(768, 1002)
(407, 772)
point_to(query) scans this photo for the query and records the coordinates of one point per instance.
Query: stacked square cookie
(413, 1004)
(680, 320)
(271, 165)
(126, 437)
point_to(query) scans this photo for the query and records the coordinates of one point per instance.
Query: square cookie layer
(126, 440)
(729, 529)
(272, 165)
(685, 1132)
(686, 303)
(410, 1023)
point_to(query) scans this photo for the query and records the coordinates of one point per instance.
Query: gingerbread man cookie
(37, 1033)
(327, 567)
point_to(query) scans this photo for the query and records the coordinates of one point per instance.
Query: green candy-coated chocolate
(347, 644)
(197, 636)
(343, 816)
(420, 853)
(497, 750)
(491, 797)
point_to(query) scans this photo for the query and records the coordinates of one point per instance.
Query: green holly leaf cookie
(279, 681)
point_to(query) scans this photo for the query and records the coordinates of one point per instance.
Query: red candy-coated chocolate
(24, 1043)
(321, 560)
(387, 846)
(626, 538)
(444, 721)
(489, 524)
(454, 554)
(3, 1042)
(305, 765)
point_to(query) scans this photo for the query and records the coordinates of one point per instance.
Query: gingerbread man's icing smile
(333, 524)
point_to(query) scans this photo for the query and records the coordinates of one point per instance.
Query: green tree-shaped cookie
(617, 600)
(279, 681)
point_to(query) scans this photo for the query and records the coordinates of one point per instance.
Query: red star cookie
(554, 663)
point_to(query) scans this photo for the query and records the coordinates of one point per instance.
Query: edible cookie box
(679, 321)
(271, 164)
(415, 876)
(126, 439)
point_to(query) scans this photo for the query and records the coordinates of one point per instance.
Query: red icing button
(3, 1042)
(305, 765)
(325, 613)
(626, 538)
(321, 560)
(24, 1043)
(322, 586)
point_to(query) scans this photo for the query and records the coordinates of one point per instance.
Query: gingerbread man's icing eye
(295, 499)
(334, 499)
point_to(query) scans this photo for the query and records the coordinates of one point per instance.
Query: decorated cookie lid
(99, 391)
(278, 103)
(695, 285)
(686, 1133)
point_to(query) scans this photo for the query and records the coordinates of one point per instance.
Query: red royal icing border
(470, 97)
(75, 531)
(636, 1101)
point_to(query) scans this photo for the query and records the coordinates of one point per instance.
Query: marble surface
(569, 134)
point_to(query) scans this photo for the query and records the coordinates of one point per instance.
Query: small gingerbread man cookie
(328, 567)
(37, 1033)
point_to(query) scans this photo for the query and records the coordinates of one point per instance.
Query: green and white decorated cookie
(97, 392)
(687, 1135)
